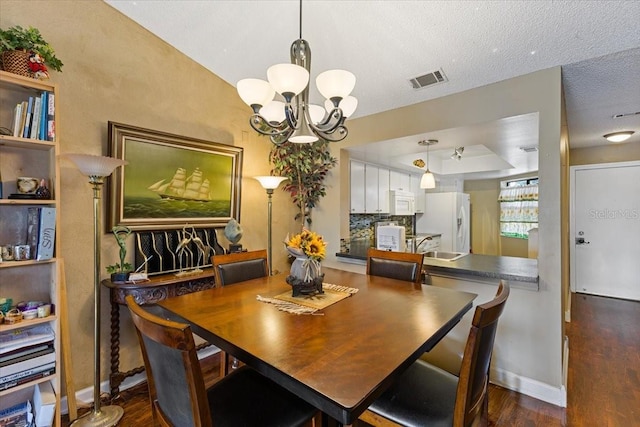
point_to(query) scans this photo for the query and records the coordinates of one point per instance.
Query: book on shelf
(41, 232)
(17, 416)
(51, 117)
(28, 117)
(27, 373)
(41, 373)
(17, 119)
(25, 365)
(20, 338)
(35, 121)
(44, 404)
(26, 353)
(44, 114)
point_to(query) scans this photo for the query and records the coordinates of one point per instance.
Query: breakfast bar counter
(521, 272)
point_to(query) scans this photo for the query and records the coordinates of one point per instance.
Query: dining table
(338, 359)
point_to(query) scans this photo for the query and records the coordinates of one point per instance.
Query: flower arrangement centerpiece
(306, 276)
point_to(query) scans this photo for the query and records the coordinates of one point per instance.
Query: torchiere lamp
(97, 168)
(270, 183)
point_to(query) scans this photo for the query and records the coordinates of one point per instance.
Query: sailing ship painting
(182, 187)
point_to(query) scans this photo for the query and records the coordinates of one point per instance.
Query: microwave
(401, 203)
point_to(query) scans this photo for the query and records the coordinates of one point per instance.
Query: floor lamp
(270, 183)
(97, 168)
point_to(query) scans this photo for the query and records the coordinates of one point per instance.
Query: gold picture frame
(171, 181)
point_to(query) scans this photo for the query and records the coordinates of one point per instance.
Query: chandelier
(295, 119)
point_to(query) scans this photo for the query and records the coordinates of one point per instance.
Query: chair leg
(224, 363)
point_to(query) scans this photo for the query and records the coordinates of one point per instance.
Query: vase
(305, 277)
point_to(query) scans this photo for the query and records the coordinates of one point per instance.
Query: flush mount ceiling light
(427, 180)
(619, 136)
(457, 153)
(296, 119)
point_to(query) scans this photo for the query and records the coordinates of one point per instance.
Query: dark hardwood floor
(603, 377)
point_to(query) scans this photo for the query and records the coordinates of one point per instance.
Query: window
(518, 207)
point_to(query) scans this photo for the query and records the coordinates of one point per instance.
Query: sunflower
(310, 243)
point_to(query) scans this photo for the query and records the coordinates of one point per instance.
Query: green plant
(306, 166)
(18, 38)
(119, 268)
(120, 233)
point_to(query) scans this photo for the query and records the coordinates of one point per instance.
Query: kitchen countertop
(524, 271)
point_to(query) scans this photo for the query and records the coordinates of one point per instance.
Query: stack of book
(41, 232)
(26, 355)
(35, 118)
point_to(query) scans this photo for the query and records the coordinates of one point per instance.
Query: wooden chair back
(238, 267)
(473, 385)
(405, 266)
(174, 376)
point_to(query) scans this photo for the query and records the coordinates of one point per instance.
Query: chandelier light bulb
(335, 83)
(317, 113)
(273, 112)
(255, 92)
(288, 79)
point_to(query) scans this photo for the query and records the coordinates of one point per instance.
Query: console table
(150, 291)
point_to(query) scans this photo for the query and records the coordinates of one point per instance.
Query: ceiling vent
(530, 149)
(428, 79)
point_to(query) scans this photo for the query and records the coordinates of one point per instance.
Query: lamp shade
(255, 91)
(427, 180)
(348, 105)
(335, 83)
(288, 78)
(273, 111)
(91, 165)
(316, 113)
(270, 182)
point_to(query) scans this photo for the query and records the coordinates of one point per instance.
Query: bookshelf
(29, 280)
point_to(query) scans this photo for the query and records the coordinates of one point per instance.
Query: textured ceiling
(385, 43)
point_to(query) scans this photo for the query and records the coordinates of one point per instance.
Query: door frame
(572, 204)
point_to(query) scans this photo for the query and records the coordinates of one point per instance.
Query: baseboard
(533, 388)
(84, 397)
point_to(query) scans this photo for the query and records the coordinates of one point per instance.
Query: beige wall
(605, 154)
(117, 71)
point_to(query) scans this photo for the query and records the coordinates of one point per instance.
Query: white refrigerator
(448, 214)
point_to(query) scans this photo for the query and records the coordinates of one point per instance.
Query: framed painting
(171, 181)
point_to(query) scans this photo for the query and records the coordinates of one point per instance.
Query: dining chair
(405, 266)
(178, 394)
(425, 395)
(233, 268)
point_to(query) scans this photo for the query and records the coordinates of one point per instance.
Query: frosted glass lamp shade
(270, 182)
(348, 105)
(273, 112)
(335, 83)
(255, 92)
(427, 180)
(91, 165)
(290, 79)
(316, 113)
(619, 136)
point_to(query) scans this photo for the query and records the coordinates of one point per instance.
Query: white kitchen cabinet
(371, 191)
(418, 192)
(369, 188)
(383, 190)
(357, 185)
(399, 181)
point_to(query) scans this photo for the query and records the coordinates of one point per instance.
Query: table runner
(310, 304)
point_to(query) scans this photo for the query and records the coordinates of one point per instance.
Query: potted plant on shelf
(25, 52)
(120, 271)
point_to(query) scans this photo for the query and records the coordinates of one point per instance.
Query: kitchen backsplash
(362, 226)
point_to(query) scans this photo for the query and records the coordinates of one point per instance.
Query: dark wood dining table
(339, 359)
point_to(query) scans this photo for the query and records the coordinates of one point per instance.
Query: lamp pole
(97, 168)
(269, 183)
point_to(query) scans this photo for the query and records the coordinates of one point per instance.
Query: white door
(605, 229)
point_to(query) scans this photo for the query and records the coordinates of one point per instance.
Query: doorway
(605, 229)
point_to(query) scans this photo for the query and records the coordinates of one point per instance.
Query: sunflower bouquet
(309, 249)
(307, 244)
